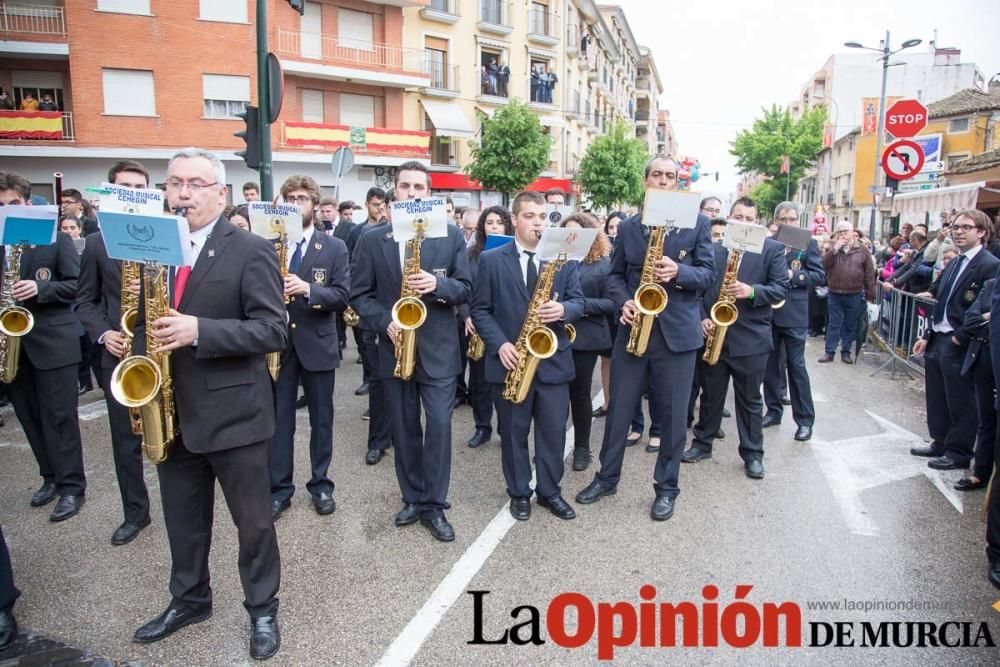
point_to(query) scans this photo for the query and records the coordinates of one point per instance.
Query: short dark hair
(412, 165)
(526, 196)
(301, 182)
(251, 185)
(327, 201)
(69, 216)
(718, 221)
(390, 195)
(72, 193)
(743, 201)
(649, 164)
(127, 165)
(345, 205)
(373, 193)
(448, 200)
(708, 199)
(554, 191)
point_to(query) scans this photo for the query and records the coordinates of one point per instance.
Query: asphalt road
(850, 516)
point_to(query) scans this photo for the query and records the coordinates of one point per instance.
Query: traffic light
(298, 5)
(251, 135)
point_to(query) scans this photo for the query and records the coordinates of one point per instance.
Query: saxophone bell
(477, 348)
(723, 313)
(15, 321)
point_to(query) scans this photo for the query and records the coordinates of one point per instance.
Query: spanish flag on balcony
(369, 139)
(31, 125)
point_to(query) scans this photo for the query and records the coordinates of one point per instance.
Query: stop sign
(905, 118)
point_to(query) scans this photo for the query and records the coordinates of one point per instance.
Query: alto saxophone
(723, 312)
(409, 312)
(280, 247)
(144, 381)
(15, 321)
(650, 297)
(477, 348)
(351, 317)
(536, 341)
(131, 271)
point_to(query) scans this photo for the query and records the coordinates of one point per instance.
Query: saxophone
(409, 312)
(129, 311)
(650, 297)
(351, 317)
(144, 382)
(477, 348)
(280, 247)
(15, 321)
(536, 341)
(723, 313)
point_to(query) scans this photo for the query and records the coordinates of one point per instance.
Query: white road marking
(92, 411)
(819, 398)
(15, 445)
(855, 465)
(407, 644)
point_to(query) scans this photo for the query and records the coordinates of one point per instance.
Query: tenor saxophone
(131, 271)
(409, 312)
(650, 297)
(723, 312)
(15, 321)
(477, 348)
(536, 341)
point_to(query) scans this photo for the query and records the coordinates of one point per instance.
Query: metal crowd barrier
(902, 320)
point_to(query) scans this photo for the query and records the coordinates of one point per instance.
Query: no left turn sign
(903, 159)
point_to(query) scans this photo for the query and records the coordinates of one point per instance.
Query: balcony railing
(32, 20)
(494, 83)
(541, 89)
(496, 12)
(37, 126)
(443, 76)
(349, 51)
(543, 23)
(444, 6)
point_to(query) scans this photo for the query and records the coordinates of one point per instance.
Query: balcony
(376, 141)
(494, 17)
(494, 88)
(357, 61)
(444, 81)
(442, 11)
(32, 20)
(543, 27)
(641, 116)
(642, 87)
(572, 40)
(42, 126)
(541, 92)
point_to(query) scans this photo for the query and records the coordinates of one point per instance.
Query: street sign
(908, 186)
(902, 159)
(342, 161)
(905, 118)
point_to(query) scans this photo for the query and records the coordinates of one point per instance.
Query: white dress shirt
(523, 259)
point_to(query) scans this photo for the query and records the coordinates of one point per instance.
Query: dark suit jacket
(312, 321)
(795, 313)
(98, 297)
(54, 340)
(976, 327)
(463, 311)
(376, 279)
(221, 387)
(916, 276)
(711, 295)
(500, 304)
(592, 330)
(343, 230)
(680, 322)
(981, 268)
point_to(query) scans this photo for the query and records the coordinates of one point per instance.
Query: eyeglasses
(965, 229)
(301, 200)
(195, 186)
(713, 211)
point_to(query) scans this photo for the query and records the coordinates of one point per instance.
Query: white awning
(914, 206)
(448, 119)
(552, 121)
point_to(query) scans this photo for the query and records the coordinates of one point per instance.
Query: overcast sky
(720, 61)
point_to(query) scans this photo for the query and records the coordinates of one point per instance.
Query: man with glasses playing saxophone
(683, 269)
(99, 307)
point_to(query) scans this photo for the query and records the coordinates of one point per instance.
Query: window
(312, 106)
(539, 17)
(542, 82)
(355, 30)
(129, 92)
(311, 29)
(493, 11)
(224, 95)
(38, 83)
(357, 110)
(436, 59)
(494, 73)
(953, 160)
(227, 11)
(124, 6)
(442, 148)
(956, 125)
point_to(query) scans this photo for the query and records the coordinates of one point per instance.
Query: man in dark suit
(316, 287)
(504, 291)
(761, 281)
(44, 390)
(951, 400)
(423, 456)
(365, 335)
(685, 269)
(993, 511)
(98, 306)
(789, 332)
(977, 367)
(228, 313)
(345, 223)
(708, 297)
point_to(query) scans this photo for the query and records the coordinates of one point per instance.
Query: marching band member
(316, 287)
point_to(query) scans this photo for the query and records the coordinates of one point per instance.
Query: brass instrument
(571, 333)
(144, 382)
(131, 271)
(280, 247)
(650, 297)
(351, 317)
(536, 341)
(58, 177)
(477, 348)
(723, 312)
(15, 321)
(409, 312)
(779, 304)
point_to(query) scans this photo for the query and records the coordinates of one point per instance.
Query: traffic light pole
(264, 104)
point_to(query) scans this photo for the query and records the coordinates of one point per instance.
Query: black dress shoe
(599, 412)
(366, 415)
(930, 452)
(558, 506)
(409, 514)
(726, 414)
(362, 390)
(45, 494)
(265, 638)
(520, 508)
(439, 528)
(966, 484)
(945, 463)
(479, 438)
(754, 469)
(993, 574)
(67, 507)
(720, 434)
(846, 358)
(663, 508)
(301, 402)
(632, 442)
(128, 531)
(581, 458)
(695, 454)
(826, 359)
(324, 503)
(8, 629)
(770, 420)
(594, 492)
(170, 621)
(373, 456)
(804, 433)
(785, 400)
(651, 448)
(278, 507)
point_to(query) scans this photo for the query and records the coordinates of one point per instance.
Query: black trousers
(671, 373)
(986, 434)
(480, 395)
(747, 374)
(951, 400)
(793, 343)
(341, 332)
(126, 448)
(580, 401)
(993, 511)
(365, 340)
(461, 387)
(423, 454)
(83, 368)
(547, 405)
(187, 487)
(45, 402)
(8, 593)
(379, 417)
(318, 386)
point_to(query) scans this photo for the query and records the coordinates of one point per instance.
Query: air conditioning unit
(366, 174)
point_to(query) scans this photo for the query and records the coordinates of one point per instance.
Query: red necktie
(180, 282)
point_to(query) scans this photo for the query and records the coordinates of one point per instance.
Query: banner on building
(828, 134)
(870, 113)
(374, 139)
(31, 125)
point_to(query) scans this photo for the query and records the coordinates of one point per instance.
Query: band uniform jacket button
(317, 307)
(292, 325)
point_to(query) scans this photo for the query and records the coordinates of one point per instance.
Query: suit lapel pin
(318, 245)
(682, 254)
(211, 252)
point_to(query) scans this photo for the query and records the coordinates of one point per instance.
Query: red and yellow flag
(31, 125)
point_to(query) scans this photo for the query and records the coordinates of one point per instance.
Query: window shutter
(312, 106)
(357, 110)
(355, 30)
(129, 92)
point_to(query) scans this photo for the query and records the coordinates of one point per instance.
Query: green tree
(760, 150)
(611, 168)
(512, 151)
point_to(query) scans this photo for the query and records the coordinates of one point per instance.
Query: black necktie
(296, 261)
(944, 294)
(532, 271)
